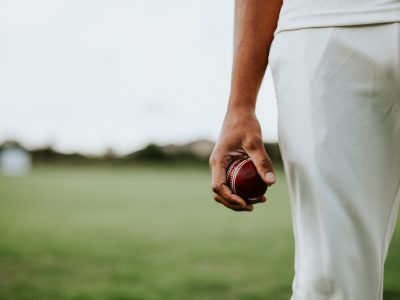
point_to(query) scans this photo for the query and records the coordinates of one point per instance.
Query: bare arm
(255, 23)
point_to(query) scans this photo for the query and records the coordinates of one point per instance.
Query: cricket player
(336, 71)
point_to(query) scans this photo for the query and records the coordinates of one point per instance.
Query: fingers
(247, 207)
(262, 161)
(220, 187)
(259, 200)
(223, 194)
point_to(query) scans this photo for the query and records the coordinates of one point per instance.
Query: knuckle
(216, 187)
(211, 161)
(266, 163)
(214, 158)
(253, 144)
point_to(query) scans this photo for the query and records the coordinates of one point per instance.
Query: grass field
(144, 233)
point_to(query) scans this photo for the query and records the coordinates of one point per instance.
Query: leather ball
(244, 180)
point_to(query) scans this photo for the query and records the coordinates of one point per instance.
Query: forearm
(255, 22)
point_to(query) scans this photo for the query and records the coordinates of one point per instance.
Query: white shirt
(296, 14)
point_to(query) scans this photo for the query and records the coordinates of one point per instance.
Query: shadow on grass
(391, 295)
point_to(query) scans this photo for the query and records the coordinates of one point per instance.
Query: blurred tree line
(194, 153)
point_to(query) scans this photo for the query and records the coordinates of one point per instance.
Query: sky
(88, 75)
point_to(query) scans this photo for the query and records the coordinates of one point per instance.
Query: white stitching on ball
(235, 173)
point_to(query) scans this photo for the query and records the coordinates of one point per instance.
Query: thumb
(263, 164)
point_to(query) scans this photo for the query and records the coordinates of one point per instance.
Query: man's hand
(255, 23)
(240, 137)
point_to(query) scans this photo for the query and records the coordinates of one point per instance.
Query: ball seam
(235, 173)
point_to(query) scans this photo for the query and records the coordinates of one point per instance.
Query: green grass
(144, 233)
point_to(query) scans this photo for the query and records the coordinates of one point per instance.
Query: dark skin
(240, 136)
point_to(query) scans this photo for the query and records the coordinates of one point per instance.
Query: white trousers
(338, 96)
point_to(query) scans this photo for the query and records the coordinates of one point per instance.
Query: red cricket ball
(244, 180)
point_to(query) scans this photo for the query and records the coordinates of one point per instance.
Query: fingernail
(270, 176)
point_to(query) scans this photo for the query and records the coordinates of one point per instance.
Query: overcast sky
(86, 75)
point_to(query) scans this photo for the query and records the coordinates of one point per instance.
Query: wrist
(242, 105)
(237, 114)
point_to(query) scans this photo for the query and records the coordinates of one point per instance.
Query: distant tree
(109, 155)
(48, 154)
(151, 152)
(11, 143)
(44, 154)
